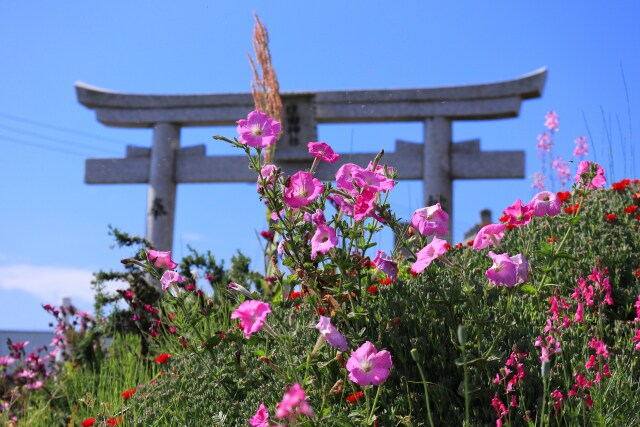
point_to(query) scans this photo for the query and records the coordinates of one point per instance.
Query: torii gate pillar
(161, 199)
(436, 163)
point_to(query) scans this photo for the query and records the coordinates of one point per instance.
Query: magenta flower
(252, 315)
(323, 240)
(341, 204)
(161, 259)
(365, 205)
(170, 277)
(370, 180)
(490, 234)
(323, 151)
(506, 270)
(303, 189)
(318, 217)
(331, 334)
(590, 175)
(545, 203)
(386, 264)
(261, 418)
(551, 121)
(258, 130)
(518, 213)
(368, 366)
(429, 253)
(344, 178)
(562, 170)
(294, 403)
(430, 220)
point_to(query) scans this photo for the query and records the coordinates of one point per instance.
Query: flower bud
(545, 370)
(462, 334)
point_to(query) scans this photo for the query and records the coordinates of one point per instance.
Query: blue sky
(53, 227)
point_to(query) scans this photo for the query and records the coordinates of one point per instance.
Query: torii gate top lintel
(468, 102)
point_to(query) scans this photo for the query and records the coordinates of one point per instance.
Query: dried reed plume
(265, 89)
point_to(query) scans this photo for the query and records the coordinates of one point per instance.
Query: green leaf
(528, 289)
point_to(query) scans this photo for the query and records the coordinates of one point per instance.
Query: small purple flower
(331, 334)
(508, 271)
(386, 264)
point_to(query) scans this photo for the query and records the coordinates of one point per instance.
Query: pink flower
(344, 178)
(562, 169)
(545, 203)
(294, 403)
(261, 418)
(590, 175)
(368, 366)
(544, 143)
(370, 180)
(386, 264)
(6, 360)
(161, 259)
(365, 205)
(551, 121)
(323, 240)
(636, 339)
(258, 130)
(506, 270)
(582, 147)
(430, 220)
(318, 217)
(170, 277)
(323, 151)
(538, 181)
(34, 385)
(267, 176)
(303, 189)
(429, 253)
(252, 314)
(331, 334)
(490, 234)
(518, 213)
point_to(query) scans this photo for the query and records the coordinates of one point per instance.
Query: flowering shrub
(536, 321)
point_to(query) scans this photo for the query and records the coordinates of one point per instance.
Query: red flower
(636, 196)
(373, 290)
(321, 311)
(128, 393)
(114, 421)
(572, 209)
(631, 209)
(163, 358)
(267, 235)
(508, 227)
(552, 239)
(504, 218)
(448, 246)
(621, 185)
(354, 397)
(294, 295)
(385, 281)
(470, 243)
(563, 195)
(88, 422)
(610, 217)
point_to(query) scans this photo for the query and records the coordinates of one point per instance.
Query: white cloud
(49, 284)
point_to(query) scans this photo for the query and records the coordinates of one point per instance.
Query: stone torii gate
(436, 161)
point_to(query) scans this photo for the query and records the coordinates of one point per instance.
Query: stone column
(436, 166)
(161, 200)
